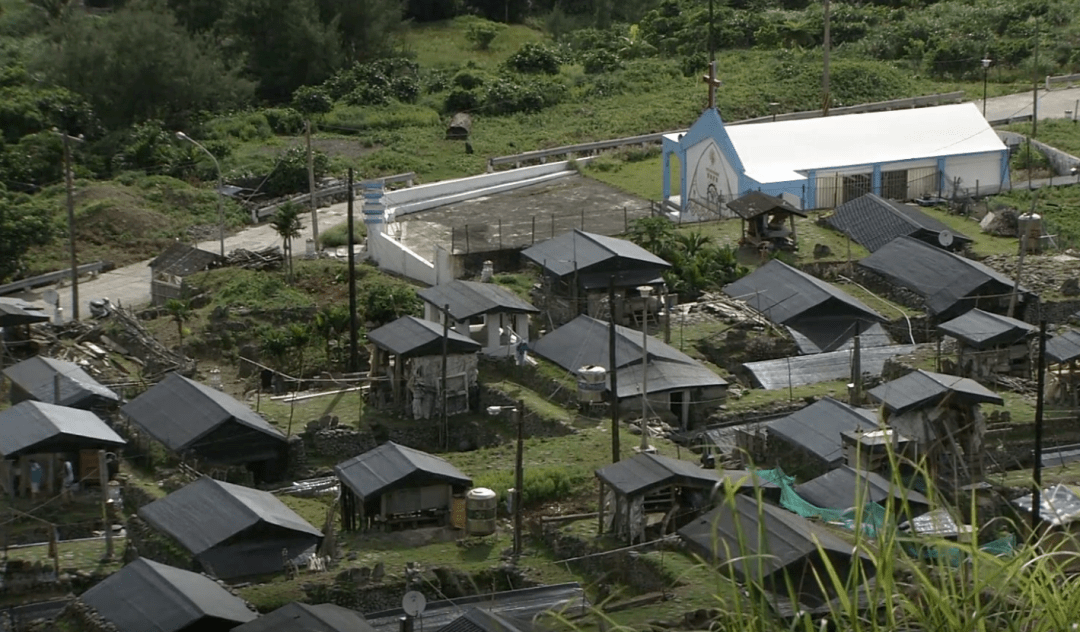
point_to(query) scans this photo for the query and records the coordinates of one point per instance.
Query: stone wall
(1061, 161)
(78, 616)
(627, 569)
(145, 541)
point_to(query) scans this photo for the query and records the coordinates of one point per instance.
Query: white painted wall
(707, 165)
(983, 168)
(394, 256)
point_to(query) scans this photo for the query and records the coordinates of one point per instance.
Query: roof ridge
(154, 566)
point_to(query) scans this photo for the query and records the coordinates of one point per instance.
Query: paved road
(1052, 104)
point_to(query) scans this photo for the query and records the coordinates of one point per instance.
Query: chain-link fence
(524, 231)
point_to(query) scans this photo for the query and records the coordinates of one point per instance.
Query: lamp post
(986, 61)
(519, 476)
(220, 188)
(774, 108)
(69, 187)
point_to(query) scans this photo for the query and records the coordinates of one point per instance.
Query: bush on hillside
(534, 58)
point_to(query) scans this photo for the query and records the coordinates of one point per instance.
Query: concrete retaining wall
(1061, 161)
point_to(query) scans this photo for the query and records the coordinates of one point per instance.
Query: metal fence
(522, 232)
(832, 191)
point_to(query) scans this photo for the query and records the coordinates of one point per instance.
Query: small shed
(16, 316)
(58, 382)
(763, 221)
(651, 484)
(846, 487)
(771, 548)
(394, 486)
(232, 531)
(408, 353)
(198, 421)
(169, 269)
(146, 595)
(990, 344)
(940, 413)
(296, 616)
(487, 313)
(809, 441)
(49, 435)
(872, 221)
(460, 127)
(1062, 352)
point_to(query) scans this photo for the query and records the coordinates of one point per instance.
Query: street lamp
(519, 477)
(986, 69)
(220, 188)
(774, 108)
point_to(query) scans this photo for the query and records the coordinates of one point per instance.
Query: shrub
(600, 61)
(286, 121)
(534, 58)
(383, 300)
(460, 100)
(312, 100)
(338, 236)
(468, 79)
(481, 33)
(542, 484)
(246, 126)
(291, 175)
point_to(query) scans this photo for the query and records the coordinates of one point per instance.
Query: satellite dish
(51, 296)
(945, 238)
(413, 603)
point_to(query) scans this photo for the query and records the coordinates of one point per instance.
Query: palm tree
(180, 311)
(692, 243)
(654, 234)
(286, 223)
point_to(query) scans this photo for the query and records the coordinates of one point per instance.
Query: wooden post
(600, 513)
(1036, 500)
(613, 378)
(311, 185)
(445, 398)
(519, 474)
(103, 480)
(1019, 271)
(354, 352)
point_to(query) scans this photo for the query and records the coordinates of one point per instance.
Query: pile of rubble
(266, 259)
(1045, 275)
(713, 307)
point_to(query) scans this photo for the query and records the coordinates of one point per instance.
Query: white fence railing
(259, 214)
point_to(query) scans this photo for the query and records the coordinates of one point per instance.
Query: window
(856, 185)
(894, 185)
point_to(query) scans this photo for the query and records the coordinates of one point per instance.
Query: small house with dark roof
(489, 314)
(481, 620)
(819, 315)
(232, 531)
(407, 353)
(941, 414)
(1062, 352)
(169, 269)
(763, 217)
(197, 421)
(947, 283)
(16, 316)
(677, 386)
(872, 221)
(770, 548)
(846, 487)
(989, 344)
(58, 382)
(49, 435)
(323, 617)
(577, 268)
(651, 486)
(394, 486)
(146, 596)
(809, 441)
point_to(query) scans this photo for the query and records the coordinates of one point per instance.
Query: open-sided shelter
(634, 488)
(768, 548)
(990, 344)
(302, 617)
(408, 352)
(146, 596)
(58, 382)
(230, 530)
(196, 420)
(578, 267)
(819, 315)
(846, 487)
(763, 217)
(50, 434)
(393, 486)
(809, 441)
(1062, 352)
(872, 221)
(169, 269)
(489, 314)
(16, 316)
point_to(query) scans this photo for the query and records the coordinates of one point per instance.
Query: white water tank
(592, 380)
(1030, 224)
(481, 507)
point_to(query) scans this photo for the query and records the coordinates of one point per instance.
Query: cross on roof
(713, 83)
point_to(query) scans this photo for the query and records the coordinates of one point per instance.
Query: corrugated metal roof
(412, 337)
(12, 315)
(391, 466)
(873, 221)
(146, 596)
(30, 427)
(467, 299)
(823, 334)
(821, 367)
(942, 278)
(783, 293)
(207, 512)
(983, 330)
(664, 376)
(521, 604)
(745, 479)
(558, 255)
(296, 617)
(178, 411)
(645, 472)
(479, 620)
(1064, 347)
(817, 428)
(181, 260)
(846, 487)
(756, 203)
(923, 388)
(1057, 506)
(37, 375)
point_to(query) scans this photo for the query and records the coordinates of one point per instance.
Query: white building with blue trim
(824, 162)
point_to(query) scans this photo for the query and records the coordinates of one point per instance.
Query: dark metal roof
(1064, 347)
(392, 466)
(181, 259)
(820, 367)
(146, 596)
(468, 299)
(37, 376)
(207, 513)
(1057, 506)
(557, 255)
(413, 337)
(873, 221)
(12, 315)
(301, 617)
(645, 472)
(757, 203)
(817, 428)
(178, 411)
(479, 620)
(923, 388)
(30, 427)
(942, 278)
(846, 487)
(824, 334)
(983, 330)
(750, 537)
(522, 604)
(784, 293)
(743, 479)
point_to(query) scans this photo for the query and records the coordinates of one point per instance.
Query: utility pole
(613, 378)
(712, 42)
(1019, 271)
(353, 325)
(856, 367)
(825, 77)
(445, 397)
(311, 185)
(69, 184)
(103, 480)
(1036, 498)
(519, 474)
(645, 447)
(1035, 90)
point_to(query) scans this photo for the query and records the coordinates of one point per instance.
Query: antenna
(945, 238)
(413, 603)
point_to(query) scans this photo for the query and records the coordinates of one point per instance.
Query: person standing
(69, 481)
(36, 476)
